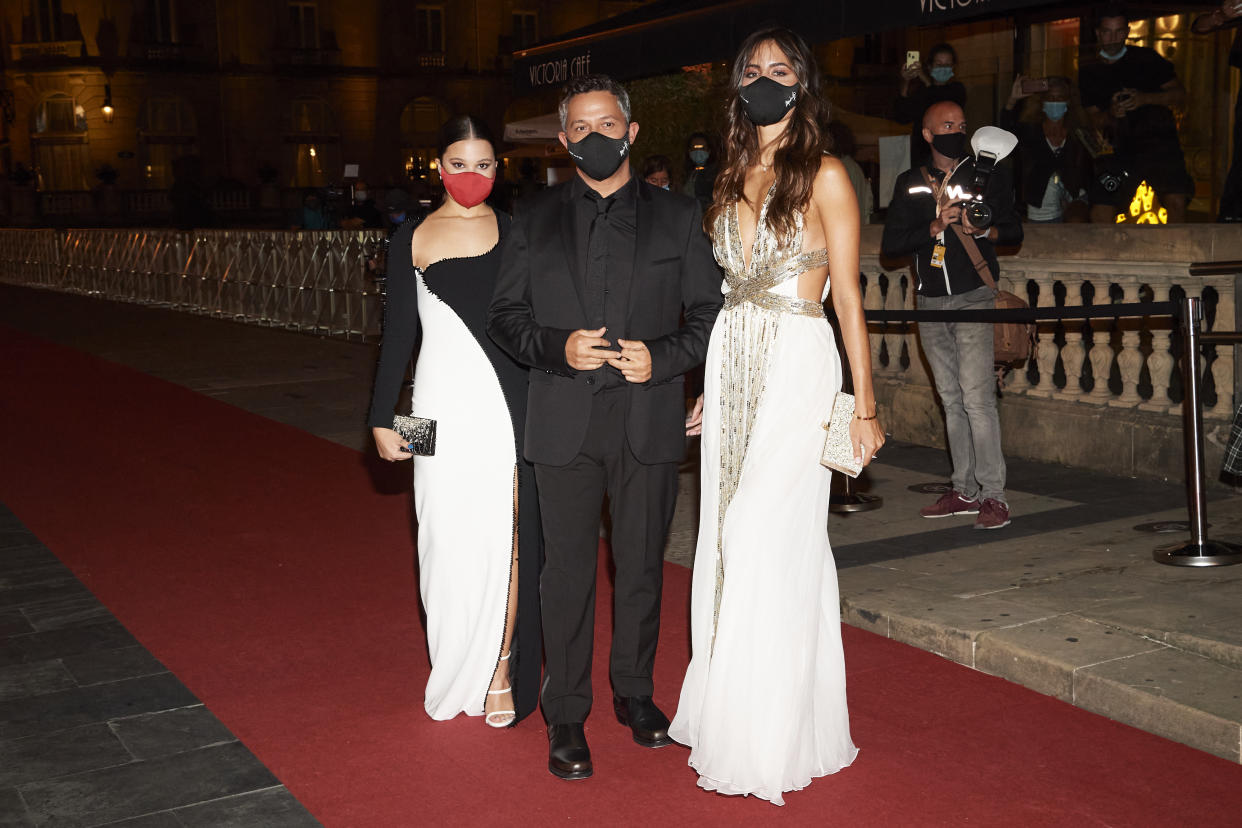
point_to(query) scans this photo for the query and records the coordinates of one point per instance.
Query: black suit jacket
(673, 303)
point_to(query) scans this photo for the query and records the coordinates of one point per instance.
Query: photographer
(1130, 93)
(932, 217)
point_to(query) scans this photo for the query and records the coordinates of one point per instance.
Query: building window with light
(48, 21)
(58, 137)
(166, 132)
(429, 34)
(316, 145)
(304, 23)
(525, 29)
(420, 124)
(161, 21)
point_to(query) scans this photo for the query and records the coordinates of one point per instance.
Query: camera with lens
(991, 146)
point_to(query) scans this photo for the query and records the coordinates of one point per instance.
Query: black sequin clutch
(419, 434)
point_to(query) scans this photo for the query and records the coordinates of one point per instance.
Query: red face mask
(467, 188)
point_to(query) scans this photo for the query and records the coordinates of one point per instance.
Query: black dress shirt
(606, 231)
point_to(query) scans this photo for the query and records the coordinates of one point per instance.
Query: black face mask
(765, 101)
(953, 145)
(599, 156)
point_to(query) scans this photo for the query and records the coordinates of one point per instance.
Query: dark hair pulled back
(462, 128)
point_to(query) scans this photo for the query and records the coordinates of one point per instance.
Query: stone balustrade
(1102, 393)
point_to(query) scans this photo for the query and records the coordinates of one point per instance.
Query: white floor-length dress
(763, 704)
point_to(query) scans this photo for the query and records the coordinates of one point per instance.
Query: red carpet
(260, 565)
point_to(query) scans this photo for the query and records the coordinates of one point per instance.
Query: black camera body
(977, 210)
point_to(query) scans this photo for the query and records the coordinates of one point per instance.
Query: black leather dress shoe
(568, 754)
(646, 722)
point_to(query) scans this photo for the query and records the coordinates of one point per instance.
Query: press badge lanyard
(937, 257)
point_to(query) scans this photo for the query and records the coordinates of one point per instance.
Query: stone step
(1183, 688)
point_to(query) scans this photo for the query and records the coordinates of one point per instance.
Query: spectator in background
(1229, 15)
(935, 84)
(363, 213)
(1130, 93)
(1053, 165)
(658, 171)
(528, 179)
(700, 169)
(398, 206)
(843, 147)
(311, 215)
(1231, 199)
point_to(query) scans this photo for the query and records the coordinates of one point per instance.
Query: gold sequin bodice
(771, 280)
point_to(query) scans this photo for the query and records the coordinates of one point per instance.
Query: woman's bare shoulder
(831, 172)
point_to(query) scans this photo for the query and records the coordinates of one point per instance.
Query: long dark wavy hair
(801, 148)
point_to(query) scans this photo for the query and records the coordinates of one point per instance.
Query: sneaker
(992, 515)
(951, 503)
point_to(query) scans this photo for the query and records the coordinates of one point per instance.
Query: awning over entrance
(667, 34)
(541, 129)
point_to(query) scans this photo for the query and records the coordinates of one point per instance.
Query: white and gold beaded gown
(763, 703)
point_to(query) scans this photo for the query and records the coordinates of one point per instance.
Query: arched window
(420, 122)
(316, 144)
(166, 131)
(59, 139)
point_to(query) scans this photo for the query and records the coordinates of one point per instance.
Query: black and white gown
(463, 495)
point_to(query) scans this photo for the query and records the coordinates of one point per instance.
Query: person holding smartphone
(1053, 164)
(935, 84)
(1130, 94)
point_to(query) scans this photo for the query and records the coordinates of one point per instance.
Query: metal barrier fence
(1199, 551)
(316, 282)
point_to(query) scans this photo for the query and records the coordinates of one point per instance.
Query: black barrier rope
(1027, 314)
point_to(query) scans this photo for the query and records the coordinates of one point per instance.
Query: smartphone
(912, 58)
(1032, 85)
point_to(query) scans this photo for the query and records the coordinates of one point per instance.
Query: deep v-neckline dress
(763, 703)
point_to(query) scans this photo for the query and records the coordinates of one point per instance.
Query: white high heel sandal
(507, 716)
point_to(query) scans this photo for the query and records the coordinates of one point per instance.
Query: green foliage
(668, 108)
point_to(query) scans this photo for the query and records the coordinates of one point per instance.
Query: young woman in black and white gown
(479, 547)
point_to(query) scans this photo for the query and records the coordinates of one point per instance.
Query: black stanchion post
(1199, 551)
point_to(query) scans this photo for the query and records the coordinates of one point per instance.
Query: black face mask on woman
(953, 145)
(765, 101)
(599, 156)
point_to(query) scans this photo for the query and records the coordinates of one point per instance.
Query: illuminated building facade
(277, 92)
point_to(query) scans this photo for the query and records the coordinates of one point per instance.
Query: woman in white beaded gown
(763, 705)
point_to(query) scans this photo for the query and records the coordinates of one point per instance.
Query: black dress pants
(641, 499)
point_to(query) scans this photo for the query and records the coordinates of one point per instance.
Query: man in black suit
(608, 291)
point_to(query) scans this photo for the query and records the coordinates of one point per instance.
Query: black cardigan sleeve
(401, 328)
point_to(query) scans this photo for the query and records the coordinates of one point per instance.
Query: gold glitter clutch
(838, 454)
(418, 432)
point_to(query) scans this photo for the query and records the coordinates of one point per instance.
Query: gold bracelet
(872, 417)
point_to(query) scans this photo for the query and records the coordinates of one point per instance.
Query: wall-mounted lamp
(108, 111)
